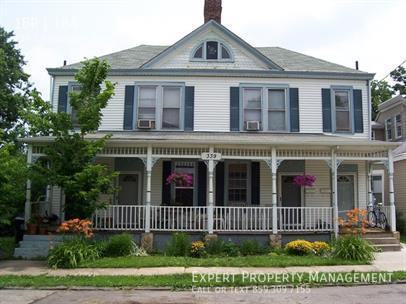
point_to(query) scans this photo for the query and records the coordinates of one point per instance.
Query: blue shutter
(294, 109)
(220, 184)
(189, 108)
(166, 189)
(255, 181)
(201, 183)
(128, 107)
(326, 105)
(358, 117)
(234, 109)
(63, 99)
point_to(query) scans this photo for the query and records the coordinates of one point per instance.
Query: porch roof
(231, 138)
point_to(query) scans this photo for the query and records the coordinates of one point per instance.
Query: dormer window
(212, 50)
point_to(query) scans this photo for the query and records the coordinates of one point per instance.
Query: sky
(341, 31)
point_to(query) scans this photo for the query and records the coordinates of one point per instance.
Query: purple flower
(304, 180)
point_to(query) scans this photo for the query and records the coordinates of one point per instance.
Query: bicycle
(376, 217)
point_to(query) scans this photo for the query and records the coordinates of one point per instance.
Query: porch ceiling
(288, 140)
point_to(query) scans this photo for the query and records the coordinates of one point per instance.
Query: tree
(69, 158)
(380, 92)
(14, 87)
(399, 76)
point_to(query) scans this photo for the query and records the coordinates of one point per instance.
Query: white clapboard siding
(56, 200)
(156, 183)
(320, 194)
(212, 104)
(265, 187)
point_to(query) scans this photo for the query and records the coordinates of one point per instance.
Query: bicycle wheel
(383, 222)
(372, 221)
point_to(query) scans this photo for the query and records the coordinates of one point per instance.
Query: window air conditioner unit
(252, 125)
(146, 124)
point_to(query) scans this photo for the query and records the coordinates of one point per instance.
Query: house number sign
(211, 156)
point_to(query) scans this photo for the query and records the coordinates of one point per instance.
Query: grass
(244, 261)
(181, 281)
(7, 245)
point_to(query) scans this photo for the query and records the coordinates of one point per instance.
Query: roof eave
(223, 73)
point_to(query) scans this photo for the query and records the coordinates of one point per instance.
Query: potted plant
(180, 179)
(305, 180)
(32, 226)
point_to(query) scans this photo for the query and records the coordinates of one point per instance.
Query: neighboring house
(242, 121)
(390, 125)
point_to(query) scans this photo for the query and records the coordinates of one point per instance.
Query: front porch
(241, 183)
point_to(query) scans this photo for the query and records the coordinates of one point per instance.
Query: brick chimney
(212, 10)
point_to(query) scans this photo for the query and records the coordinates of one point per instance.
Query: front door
(129, 189)
(291, 196)
(345, 193)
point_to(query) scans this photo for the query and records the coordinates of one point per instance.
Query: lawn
(7, 245)
(271, 260)
(180, 281)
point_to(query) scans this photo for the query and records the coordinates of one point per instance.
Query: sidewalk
(385, 261)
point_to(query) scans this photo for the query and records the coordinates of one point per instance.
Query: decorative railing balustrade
(219, 218)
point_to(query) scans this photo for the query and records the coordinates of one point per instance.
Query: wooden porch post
(148, 196)
(27, 208)
(391, 192)
(274, 169)
(334, 165)
(370, 196)
(210, 207)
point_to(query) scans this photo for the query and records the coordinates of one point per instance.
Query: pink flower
(304, 180)
(180, 179)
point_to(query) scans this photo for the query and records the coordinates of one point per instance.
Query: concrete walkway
(385, 261)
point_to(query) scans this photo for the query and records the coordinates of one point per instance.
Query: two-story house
(390, 125)
(244, 123)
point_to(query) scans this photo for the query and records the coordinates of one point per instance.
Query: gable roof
(277, 59)
(394, 101)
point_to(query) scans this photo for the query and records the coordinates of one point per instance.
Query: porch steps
(36, 246)
(383, 241)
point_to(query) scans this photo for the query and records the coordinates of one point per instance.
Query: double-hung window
(342, 110)
(388, 129)
(398, 125)
(277, 110)
(171, 103)
(237, 183)
(73, 113)
(252, 104)
(147, 96)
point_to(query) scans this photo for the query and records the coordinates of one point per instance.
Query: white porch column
(27, 208)
(370, 196)
(391, 192)
(274, 168)
(148, 196)
(210, 207)
(334, 165)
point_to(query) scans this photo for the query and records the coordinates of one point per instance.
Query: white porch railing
(120, 217)
(242, 219)
(178, 218)
(225, 219)
(305, 219)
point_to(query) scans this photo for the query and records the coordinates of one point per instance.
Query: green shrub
(119, 245)
(231, 249)
(7, 245)
(251, 247)
(72, 252)
(179, 245)
(401, 222)
(354, 248)
(215, 247)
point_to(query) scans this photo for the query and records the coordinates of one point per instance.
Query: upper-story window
(159, 106)
(73, 87)
(171, 108)
(388, 128)
(212, 50)
(398, 125)
(277, 110)
(252, 109)
(147, 100)
(342, 104)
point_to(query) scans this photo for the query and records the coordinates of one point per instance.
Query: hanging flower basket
(304, 180)
(180, 179)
